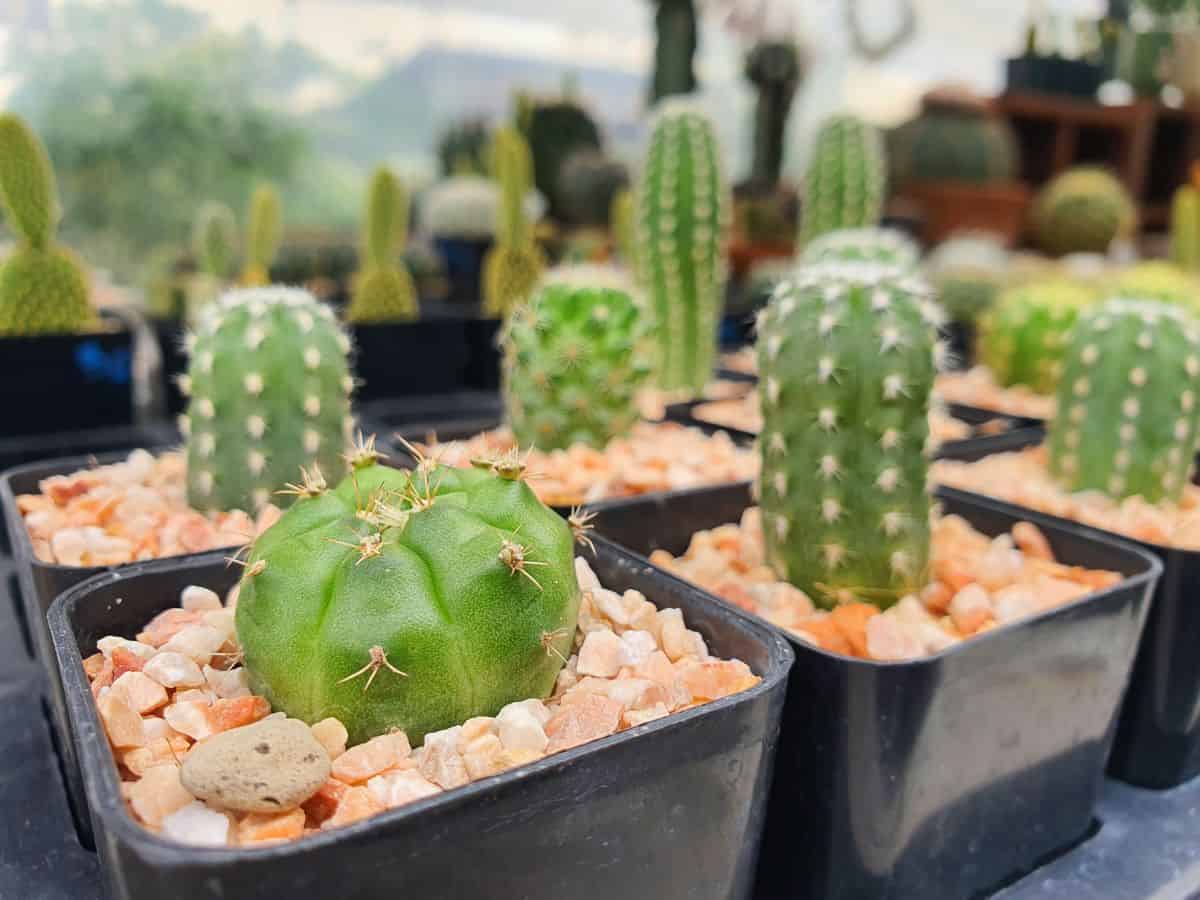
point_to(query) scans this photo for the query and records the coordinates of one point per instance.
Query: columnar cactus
(1083, 210)
(1023, 336)
(410, 601)
(622, 228)
(683, 210)
(574, 359)
(263, 232)
(269, 391)
(383, 289)
(847, 355)
(42, 286)
(1128, 418)
(846, 180)
(877, 245)
(514, 265)
(213, 237)
(1185, 228)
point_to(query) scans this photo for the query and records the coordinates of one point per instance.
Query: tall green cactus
(1185, 228)
(846, 182)
(384, 289)
(1128, 413)
(263, 232)
(514, 265)
(42, 287)
(847, 354)
(622, 227)
(213, 237)
(683, 209)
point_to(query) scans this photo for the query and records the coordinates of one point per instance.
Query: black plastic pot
(945, 776)
(1158, 740)
(463, 259)
(169, 335)
(81, 380)
(672, 809)
(435, 355)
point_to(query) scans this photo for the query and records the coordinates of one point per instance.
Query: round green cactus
(1129, 402)
(263, 232)
(847, 355)
(1082, 210)
(955, 144)
(873, 245)
(1023, 336)
(384, 289)
(410, 601)
(846, 182)
(968, 271)
(270, 392)
(574, 359)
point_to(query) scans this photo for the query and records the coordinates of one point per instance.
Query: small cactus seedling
(683, 210)
(847, 358)
(409, 601)
(1128, 418)
(574, 359)
(846, 182)
(384, 290)
(515, 264)
(263, 233)
(1023, 336)
(270, 392)
(873, 245)
(42, 287)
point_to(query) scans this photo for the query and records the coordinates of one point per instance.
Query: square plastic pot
(671, 809)
(433, 355)
(944, 776)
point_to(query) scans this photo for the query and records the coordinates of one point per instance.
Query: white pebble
(107, 645)
(197, 825)
(398, 788)
(195, 598)
(602, 655)
(227, 684)
(638, 646)
(197, 642)
(173, 670)
(520, 729)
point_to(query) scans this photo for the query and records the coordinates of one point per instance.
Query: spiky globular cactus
(1128, 418)
(514, 265)
(876, 245)
(574, 359)
(683, 210)
(42, 287)
(1023, 336)
(264, 229)
(846, 180)
(1083, 210)
(847, 358)
(1185, 228)
(384, 289)
(269, 391)
(409, 601)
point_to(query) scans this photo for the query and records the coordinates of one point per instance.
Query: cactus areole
(408, 601)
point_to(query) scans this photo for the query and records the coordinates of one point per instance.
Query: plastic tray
(671, 809)
(945, 776)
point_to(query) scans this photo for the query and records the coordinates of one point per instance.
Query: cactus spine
(270, 391)
(847, 358)
(263, 233)
(874, 245)
(1185, 228)
(1128, 415)
(384, 290)
(514, 265)
(683, 210)
(42, 288)
(846, 180)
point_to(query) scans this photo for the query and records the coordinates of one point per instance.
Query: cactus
(463, 148)
(1083, 210)
(574, 358)
(462, 207)
(555, 129)
(263, 233)
(847, 358)
(774, 68)
(954, 141)
(213, 237)
(43, 289)
(622, 228)
(269, 390)
(1185, 228)
(683, 210)
(1023, 336)
(1158, 280)
(1128, 415)
(876, 245)
(383, 289)
(846, 180)
(677, 36)
(968, 271)
(587, 184)
(408, 601)
(514, 265)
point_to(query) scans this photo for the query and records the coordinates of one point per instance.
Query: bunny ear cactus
(409, 601)
(263, 234)
(846, 180)
(213, 239)
(269, 390)
(872, 245)
(622, 228)
(1185, 228)
(574, 358)
(1128, 418)
(847, 358)
(683, 210)
(514, 265)
(42, 287)
(384, 290)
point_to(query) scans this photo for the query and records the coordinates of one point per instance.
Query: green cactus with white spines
(264, 230)
(1023, 336)
(384, 289)
(682, 212)
(269, 389)
(1185, 228)
(43, 289)
(846, 182)
(872, 245)
(574, 358)
(1128, 419)
(408, 601)
(847, 355)
(515, 264)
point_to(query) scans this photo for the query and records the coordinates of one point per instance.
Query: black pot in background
(1054, 75)
(463, 261)
(169, 335)
(671, 809)
(943, 776)
(416, 415)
